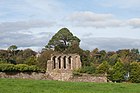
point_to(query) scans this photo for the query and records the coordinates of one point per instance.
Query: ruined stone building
(64, 62)
(61, 66)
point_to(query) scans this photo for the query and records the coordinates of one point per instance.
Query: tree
(134, 55)
(23, 55)
(4, 56)
(31, 60)
(12, 54)
(117, 73)
(43, 58)
(62, 40)
(103, 67)
(28, 53)
(12, 48)
(102, 56)
(85, 58)
(113, 59)
(135, 72)
(94, 55)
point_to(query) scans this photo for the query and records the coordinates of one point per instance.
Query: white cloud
(89, 16)
(21, 34)
(24, 40)
(134, 22)
(110, 44)
(24, 25)
(92, 19)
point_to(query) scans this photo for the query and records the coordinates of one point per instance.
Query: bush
(117, 73)
(22, 67)
(19, 68)
(7, 67)
(135, 72)
(34, 68)
(87, 69)
(103, 68)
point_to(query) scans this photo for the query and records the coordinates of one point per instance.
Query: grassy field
(43, 86)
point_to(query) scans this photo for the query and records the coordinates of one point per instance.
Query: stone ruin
(61, 66)
(64, 62)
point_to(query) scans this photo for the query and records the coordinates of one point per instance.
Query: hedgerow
(19, 68)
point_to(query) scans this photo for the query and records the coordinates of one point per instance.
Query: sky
(105, 24)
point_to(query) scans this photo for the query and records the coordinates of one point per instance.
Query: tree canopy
(135, 72)
(12, 47)
(62, 40)
(117, 73)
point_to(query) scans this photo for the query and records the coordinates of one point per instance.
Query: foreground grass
(43, 86)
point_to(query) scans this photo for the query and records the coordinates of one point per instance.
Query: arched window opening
(69, 62)
(54, 62)
(59, 62)
(64, 60)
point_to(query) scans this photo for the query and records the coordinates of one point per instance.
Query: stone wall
(60, 76)
(25, 75)
(54, 76)
(88, 78)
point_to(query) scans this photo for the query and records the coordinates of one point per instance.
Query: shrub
(135, 72)
(20, 68)
(7, 67)
(34, 68)
(117, 73)
(87, 69)
(103, 68)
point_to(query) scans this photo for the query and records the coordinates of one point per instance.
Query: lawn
(44, 86)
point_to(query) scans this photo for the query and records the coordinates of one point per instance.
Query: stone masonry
(64, 62)
(46, 76)
(60, 66)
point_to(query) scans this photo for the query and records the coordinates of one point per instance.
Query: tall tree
(23, 55)
(12, 54)
(12, 47)
(43, 58)
(135, 72)
(103, 68)
(62, 40)
(117, 73)
(134, 55)
(3, 56)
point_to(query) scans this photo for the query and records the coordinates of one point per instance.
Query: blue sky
(105, 24)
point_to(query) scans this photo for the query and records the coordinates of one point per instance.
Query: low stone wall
(25, 75)
(53, 76)
(88, 78)
(61, 75)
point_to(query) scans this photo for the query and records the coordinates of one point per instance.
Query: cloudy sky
(105, 24)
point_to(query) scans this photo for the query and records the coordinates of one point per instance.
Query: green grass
(44, 86)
